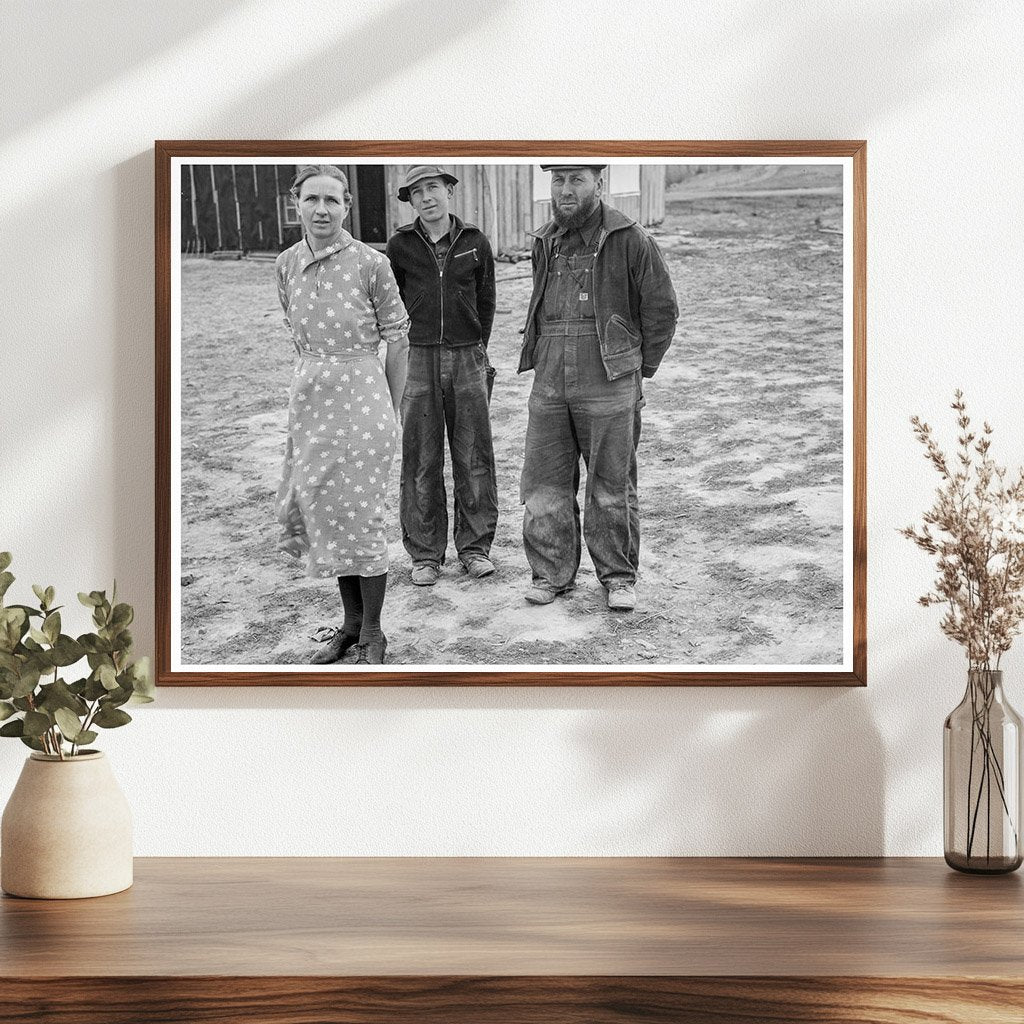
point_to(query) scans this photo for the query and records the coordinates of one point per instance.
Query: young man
(602, 315)
(445, 273)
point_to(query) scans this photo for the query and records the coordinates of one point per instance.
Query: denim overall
(574, 411)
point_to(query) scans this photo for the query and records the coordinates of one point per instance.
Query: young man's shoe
(621, 597)
(541, 594)
(425, 575)
(478, 566)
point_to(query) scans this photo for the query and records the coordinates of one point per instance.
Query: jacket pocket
(621, 349)
(618, 337)
(469, 311)
(415, 302)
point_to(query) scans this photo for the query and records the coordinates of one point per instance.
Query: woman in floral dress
(340, 301)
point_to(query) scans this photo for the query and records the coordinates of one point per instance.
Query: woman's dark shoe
(335, 643)
(373, 652)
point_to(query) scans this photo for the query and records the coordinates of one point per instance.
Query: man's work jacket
(634, 299)
(451, 303)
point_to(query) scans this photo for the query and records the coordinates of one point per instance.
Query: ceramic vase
(66, 831)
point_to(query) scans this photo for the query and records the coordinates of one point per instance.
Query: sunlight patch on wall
(32, 158)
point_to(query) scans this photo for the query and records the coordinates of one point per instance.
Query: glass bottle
(981, 775)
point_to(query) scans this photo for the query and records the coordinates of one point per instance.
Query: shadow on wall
(680, 756)
(345, 69)
(741, 772)
(693, 771)
(117, 35)
(808, 61)
(132, 405)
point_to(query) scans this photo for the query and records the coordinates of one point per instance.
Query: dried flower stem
(975, 529)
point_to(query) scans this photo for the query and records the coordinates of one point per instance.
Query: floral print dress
(340, 304)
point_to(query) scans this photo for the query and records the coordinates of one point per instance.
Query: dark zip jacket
(450, 304)
(634, 300)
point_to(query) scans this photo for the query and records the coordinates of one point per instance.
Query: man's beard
(576, 219)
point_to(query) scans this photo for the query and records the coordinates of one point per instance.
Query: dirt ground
(740, 476)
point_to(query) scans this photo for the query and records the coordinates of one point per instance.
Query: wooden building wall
(652, 195)
(244, 206)
(217, 187)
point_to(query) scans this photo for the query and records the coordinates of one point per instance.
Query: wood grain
(523, 1000)
(528, 916)
(404, 150)
(871, 941)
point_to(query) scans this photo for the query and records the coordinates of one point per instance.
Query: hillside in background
(736, 179)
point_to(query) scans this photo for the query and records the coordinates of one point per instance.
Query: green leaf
(94, 644)
(142, 681)
(27, 681)
(122, 616)
(59, 695)
(6, 710)
(15, 728)
(10, 663)
(29, 611)
(39, 636)
(111, 718)
(86, 736)
(40, 592)
(89, 600)
(6, 579)
(31, 741)
(51, 627)
(107, 676)
(13, 624)
(66, 651)
(94, 689)
(5, 559)
(36, 723)
(115, 698)
(69, 724)
(50, 595)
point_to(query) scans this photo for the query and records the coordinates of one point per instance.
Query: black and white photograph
(458, 414)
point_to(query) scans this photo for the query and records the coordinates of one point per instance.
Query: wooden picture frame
(752, 216)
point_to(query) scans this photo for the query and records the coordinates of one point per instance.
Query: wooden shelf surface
(383, 937)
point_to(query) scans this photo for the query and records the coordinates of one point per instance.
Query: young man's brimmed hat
(567, 167)
(420, 172)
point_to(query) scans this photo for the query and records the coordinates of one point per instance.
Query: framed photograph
(493, 413)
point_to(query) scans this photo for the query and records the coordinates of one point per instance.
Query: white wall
(937, 90)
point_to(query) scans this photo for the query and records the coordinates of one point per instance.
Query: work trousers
(574, 411)
(446, 392)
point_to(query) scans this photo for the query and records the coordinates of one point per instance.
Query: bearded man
(602, 315)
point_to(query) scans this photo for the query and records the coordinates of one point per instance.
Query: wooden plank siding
(652, 194)
(497, 198)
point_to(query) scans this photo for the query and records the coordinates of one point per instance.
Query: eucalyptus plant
(46, 712)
